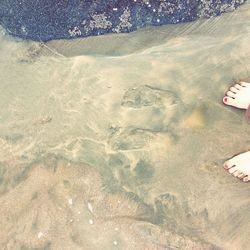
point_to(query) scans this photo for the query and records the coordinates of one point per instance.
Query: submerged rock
(47, 20)
(144, 96)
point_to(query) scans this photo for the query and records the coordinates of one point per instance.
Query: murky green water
(117, 142)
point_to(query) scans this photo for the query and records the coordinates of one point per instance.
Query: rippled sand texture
(117, 142)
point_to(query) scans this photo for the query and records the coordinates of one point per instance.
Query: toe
(237, 173)
(241, 175)
(234, 90)
(231, 94)
(238, 166)
(228, 101)
(238, 86)
(232, 170)
(229, 164)
(244, 84)
(246, 179)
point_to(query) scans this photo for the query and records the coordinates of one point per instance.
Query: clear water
(117, 142)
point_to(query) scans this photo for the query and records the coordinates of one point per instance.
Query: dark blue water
(118, 141)
(46, 20)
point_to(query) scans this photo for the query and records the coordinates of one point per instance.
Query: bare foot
(239, 166)
(238, 96)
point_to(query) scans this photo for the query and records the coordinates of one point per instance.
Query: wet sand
(117, 142)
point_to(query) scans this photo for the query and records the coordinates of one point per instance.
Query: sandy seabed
(118, 141)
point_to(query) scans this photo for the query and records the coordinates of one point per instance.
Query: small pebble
(40, 235)
(90, 207)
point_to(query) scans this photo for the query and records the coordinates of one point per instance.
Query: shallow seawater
(117, 142)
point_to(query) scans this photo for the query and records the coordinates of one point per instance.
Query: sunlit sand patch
(141, 149)
(216, 77)
(177, 42)
(162, 142)
(161, 69)
(196, 119)
(189, 92)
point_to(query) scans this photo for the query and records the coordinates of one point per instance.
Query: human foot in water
(239, 166)
(239, 96)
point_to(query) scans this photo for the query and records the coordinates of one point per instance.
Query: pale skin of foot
(239, 96)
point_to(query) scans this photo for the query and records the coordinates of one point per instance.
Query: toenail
(225, 166)
(225, 99)
(246, 179)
